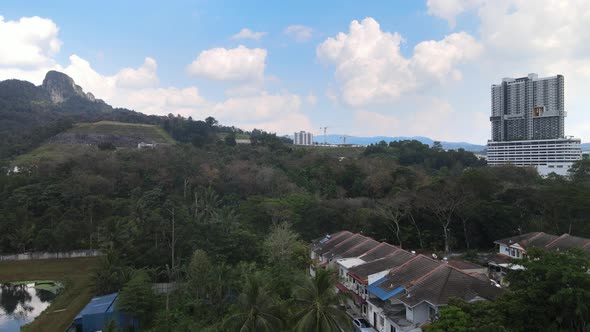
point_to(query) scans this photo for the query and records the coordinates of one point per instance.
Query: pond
(22, 302)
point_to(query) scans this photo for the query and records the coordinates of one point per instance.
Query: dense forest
(211, 212)
(231, 222)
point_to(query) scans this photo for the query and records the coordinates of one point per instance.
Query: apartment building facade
(528, 125)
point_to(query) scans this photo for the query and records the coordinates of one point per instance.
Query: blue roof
(380, 292)
(98, 305)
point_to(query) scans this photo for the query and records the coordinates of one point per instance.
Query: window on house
(518, 254)
(381, 321)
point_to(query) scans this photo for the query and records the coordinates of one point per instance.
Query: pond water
(20, 304)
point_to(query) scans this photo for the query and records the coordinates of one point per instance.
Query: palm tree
(321, 305)
(255, 310)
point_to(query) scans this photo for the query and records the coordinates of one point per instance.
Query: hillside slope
(31, 114)
(118, 133)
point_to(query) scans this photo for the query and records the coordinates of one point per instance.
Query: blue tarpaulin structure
(99, 311)
(380, 292)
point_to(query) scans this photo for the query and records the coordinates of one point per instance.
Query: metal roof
(98, 305)
(382, 293)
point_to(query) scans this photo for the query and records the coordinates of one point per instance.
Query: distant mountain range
(337, 139)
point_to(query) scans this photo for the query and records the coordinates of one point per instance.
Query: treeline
(73, 202)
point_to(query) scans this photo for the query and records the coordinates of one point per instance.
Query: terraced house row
(396, 290)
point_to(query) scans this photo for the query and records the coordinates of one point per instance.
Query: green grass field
(74, 272)
(149, 132)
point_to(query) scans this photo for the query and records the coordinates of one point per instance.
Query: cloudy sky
(359, 67)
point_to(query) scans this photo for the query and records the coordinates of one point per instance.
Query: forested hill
(30, 115)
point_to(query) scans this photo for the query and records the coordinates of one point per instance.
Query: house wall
(421, 313)
(374, 312)
(392, 327)
(374, 277)
(409, 314)
(512, 252)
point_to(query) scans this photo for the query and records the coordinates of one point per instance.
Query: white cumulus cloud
(246, 33)
(280, 113)
(450, 9)
(371, 69)
(236, 64)
(28, 42)
(301, 33)
(141, 77)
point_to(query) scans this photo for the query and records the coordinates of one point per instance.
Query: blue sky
(361, 68)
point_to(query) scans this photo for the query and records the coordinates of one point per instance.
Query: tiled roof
(404, 275)
(567, 241)
(445, 282)
(362, 272)
(344, 246)
(540, 240)
(336, 238)
(463, 265)
(533, 239)
(547, 241)
(360, 248)
(382, 250)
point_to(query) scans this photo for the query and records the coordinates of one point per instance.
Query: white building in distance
(303, 138)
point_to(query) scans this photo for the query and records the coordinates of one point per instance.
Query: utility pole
(325, 129)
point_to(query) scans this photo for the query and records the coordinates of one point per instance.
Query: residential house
(396, 290)
(412, 294)
(361, 276)
(515, 248)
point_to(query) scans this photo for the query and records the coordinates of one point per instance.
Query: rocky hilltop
(61, 87)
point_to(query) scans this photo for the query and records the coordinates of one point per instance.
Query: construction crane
(325, 130)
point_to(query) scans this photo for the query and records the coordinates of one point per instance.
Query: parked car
(361, 325)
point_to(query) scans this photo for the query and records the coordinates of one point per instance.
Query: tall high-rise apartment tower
(528, 116)
(303, 138)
